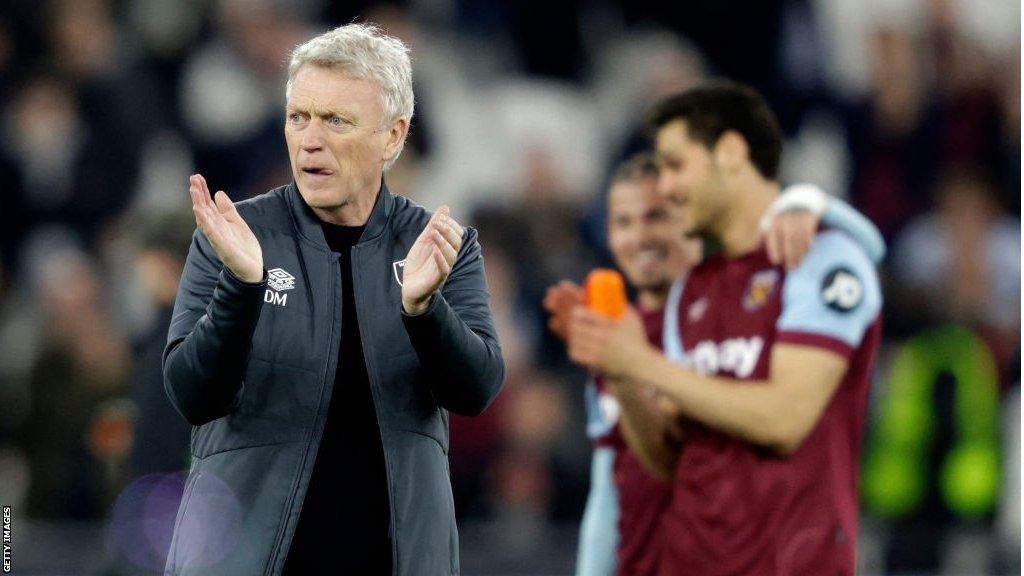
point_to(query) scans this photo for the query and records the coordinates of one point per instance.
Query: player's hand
(235, 244)
(430, 260)
(790, 236)
(601, 343)
(559, 301)
(791, 222)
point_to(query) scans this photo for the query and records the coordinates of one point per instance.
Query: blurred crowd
(909, 109)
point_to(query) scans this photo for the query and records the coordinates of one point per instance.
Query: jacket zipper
(370, 374)
(330, 366)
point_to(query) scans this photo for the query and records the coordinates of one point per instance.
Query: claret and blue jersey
(737, 508)
(619, 532)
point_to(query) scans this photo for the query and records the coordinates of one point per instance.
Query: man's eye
(295, 118)
(337, 121)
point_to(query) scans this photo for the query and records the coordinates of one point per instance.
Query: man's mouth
(315, 171)
(650, 256)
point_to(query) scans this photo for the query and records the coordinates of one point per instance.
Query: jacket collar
(309, 225)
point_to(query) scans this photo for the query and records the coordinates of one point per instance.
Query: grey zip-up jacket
(252, 367)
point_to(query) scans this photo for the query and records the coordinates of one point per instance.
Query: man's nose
(663, 185)
(630, 235)
(312, 139)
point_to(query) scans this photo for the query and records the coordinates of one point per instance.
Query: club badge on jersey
(761, 286)
(398, 268)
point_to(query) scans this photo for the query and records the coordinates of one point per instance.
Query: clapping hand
(430, 260)
(235, 244)
(559, 301)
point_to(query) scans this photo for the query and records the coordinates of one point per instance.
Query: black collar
(309, 225)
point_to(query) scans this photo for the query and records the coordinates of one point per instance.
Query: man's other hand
(430, 260)
(559, 301)
(235, 244)
(790, 237)
(791, 223)
(609, 346)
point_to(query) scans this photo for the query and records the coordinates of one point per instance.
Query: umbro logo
(278, 281)
(696, 310)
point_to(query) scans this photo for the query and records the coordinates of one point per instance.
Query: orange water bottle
(605, 292)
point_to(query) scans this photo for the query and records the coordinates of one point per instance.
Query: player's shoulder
(840, 270)
(833, 244)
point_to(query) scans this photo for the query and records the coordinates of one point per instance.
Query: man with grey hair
(321, 333)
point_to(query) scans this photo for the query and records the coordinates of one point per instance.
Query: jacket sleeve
(839, 214)
(455, 338)
(215, 315)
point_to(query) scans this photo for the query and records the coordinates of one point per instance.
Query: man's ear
(396, 135)
(731, 151)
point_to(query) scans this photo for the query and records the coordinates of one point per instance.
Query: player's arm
(829, 302)
(777, 413)
(647, 429)
(650, 431)
(790, 224)
(840, 215)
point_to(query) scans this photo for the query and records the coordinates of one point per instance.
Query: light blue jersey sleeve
(839, 214)
(832, 297)
(599, 530)
(602, 413)
(671, 336)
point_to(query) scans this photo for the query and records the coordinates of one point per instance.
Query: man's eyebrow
(329, 112)
(315, 110)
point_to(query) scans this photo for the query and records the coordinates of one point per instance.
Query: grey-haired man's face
(336, 143)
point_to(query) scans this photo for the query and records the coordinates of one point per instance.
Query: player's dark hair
(712, 109)
(637, 167)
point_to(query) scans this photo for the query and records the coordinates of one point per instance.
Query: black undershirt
(344, 520)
